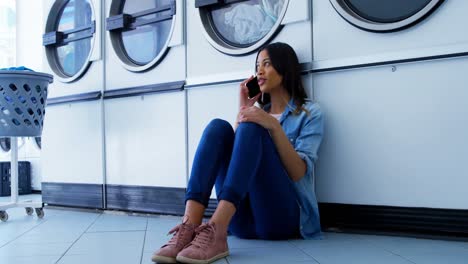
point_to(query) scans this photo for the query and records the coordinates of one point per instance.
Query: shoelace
(204, 235)
(178, 232)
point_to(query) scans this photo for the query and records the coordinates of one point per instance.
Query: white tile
(146, 259)
(235, 242)
(29, 259)
(100, 258)
(64, 211)
(437, 258)
(347, 250)
(62, 228)
(163, 223)
(109, 222)
(44, 249)
(10, 234)
(155, 240)
(59, 236)
(285, 254)
(414, 246)
(108, 242)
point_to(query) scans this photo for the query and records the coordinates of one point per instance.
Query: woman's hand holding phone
(244, 99)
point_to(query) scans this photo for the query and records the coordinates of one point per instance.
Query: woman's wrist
(275, 126)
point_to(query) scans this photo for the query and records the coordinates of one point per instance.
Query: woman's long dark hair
(284, 60)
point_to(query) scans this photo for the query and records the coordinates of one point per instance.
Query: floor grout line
(144, 242)
(303, 251)
(400, 256)
(22, 234)
(68, 249)
(385, 249)
(395, 254)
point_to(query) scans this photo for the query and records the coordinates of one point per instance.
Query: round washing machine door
(241, 27)
(140, 31)
(5, 144)
(38, 142)
(384, 15)
(69, 38)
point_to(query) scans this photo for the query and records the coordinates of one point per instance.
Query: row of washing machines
(29, 149)
(137, 81)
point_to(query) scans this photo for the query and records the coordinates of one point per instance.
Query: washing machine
(29, 149)
(390, 80)
(5, 147)
(72, 43)
(72, 141)
(32, 153)
(356, 32)
(145, 70)
(23, 146)
(223, 38)
(32, 147)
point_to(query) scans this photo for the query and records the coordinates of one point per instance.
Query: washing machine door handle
(132, 21)
(60, 38)
(204, 3)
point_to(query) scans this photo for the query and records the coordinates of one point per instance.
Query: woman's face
(268, 78)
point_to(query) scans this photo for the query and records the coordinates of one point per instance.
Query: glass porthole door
(238, 27)
(384, 15)
(5, 143)
(69, 38)
(38, 141)
(140, 31)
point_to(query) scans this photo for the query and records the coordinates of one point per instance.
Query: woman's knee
(219, 128)
(251, 128)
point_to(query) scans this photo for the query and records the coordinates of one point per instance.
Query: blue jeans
(247, 171)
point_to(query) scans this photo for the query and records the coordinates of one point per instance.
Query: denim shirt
(305, 132)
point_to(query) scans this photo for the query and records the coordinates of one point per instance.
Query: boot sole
(200, 261)
(163, 259)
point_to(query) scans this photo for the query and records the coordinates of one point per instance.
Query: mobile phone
(253, 86)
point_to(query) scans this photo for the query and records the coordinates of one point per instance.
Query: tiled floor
(74, 236)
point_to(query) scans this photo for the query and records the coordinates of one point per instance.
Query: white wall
(29, 34)
(29, 53)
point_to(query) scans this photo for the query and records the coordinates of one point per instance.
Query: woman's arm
(295, 166)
